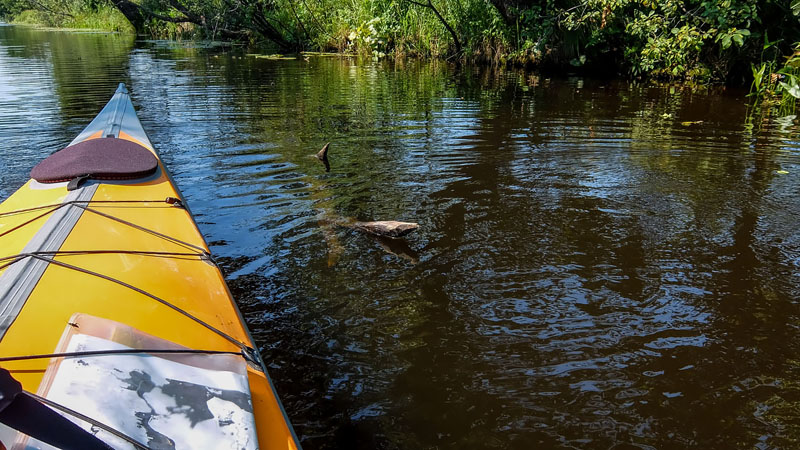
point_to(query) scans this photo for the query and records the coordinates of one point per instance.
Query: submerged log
(397, 247)
(388, 228)
(335, 247)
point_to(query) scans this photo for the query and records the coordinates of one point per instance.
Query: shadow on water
(599, 264)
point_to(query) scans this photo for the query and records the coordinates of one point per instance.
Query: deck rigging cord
(124, 351)
(169, 200)
(141, 228)
(247, 353)
(51, 208)
(8, 260)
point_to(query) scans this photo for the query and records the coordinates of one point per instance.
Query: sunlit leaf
(793, 89)
(796, 7)
(783, 172)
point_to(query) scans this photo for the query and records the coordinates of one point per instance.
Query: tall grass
(105, 17)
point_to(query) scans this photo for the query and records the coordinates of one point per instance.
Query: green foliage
(787, 90)
(82, 14)
(372, 38)
(669, 38)
(102, 17)
(697, 40)
(776, 80)
(10, 8)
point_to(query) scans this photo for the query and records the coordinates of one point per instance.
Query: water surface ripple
(591, 271)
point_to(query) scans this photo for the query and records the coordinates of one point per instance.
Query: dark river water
(591, 270)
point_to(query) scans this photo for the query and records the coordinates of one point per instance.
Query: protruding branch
(452, 32)
(322, 155)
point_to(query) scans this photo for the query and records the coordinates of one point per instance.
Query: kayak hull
(132, 254)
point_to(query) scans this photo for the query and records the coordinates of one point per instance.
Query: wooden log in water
(388, 228)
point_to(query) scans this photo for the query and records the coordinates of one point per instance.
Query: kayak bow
(112, 307)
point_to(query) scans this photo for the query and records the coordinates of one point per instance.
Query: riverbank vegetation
(73, 14)
(687, 40)
(776, 81)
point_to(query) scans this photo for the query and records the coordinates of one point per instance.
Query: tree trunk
(131, 12)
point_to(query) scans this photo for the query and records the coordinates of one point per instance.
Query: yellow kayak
(113, 312)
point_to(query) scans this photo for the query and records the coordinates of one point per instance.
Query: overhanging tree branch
(452, 32)
(135, 12)
(35, 4)
(132, 11)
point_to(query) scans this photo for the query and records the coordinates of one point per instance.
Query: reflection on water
(591, 269)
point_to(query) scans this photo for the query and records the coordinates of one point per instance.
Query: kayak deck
(134, 255)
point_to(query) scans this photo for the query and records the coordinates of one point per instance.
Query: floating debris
(275, 57)
(326, 54)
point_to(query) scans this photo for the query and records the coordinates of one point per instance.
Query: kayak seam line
(115, 119)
